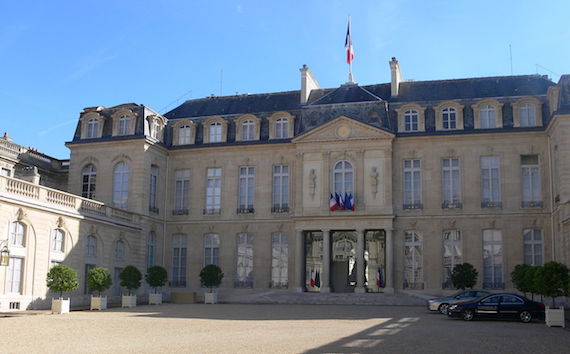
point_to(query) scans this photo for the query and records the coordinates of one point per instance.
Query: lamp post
(4, 254)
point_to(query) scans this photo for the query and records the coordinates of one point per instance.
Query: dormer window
(247, 130)
(411, 121)
(155, 130)
(281, 125)
(449, 118)
(488, 117)
(92, 128)
(216, 132)
(124, 123)
(411, 118)
(488, 114)
(527, 112)
(282, 128)
(527, 115)
(184, 134)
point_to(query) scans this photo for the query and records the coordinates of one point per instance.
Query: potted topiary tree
(521, 279)
(156, 276)
(211, 277)
(552, 280)
(99, 279)
(130, 279)
(59, 279)
(464, 276)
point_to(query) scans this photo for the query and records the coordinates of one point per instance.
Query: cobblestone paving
(231, 328)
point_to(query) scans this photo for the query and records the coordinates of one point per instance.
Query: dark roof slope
(347, 93)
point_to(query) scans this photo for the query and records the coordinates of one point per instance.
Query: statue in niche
(374, 176)
(312, 182)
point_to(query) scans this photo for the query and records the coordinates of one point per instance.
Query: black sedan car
(498, 306)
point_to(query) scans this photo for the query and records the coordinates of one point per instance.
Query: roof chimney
(396, 76)
(308, 83)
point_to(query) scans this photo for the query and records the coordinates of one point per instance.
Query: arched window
(282, 128)
(527, 113)
(89, 175)
(449, 118)
(57, 240)
(247, 130)
(487, 116)
(411, 121)
(343, 178)
(18, 234)
(92, 128)
(215, 132)
(184, 134)
(124, 123)
(91, 247)
(121, 185)
(119, 251)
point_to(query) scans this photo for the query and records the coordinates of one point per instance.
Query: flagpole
(350, 77)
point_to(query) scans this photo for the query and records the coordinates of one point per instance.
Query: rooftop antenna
(189, 94)
(511, 57)
(542, 67)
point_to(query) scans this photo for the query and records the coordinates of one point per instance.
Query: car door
(489, 306)
(510, 305)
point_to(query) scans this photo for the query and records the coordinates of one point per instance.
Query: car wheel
(525, 316)
(443, 308)
(468, 315)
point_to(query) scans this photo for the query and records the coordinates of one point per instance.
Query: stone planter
(129, 301)
(98, 303)
(155, 298)
(554, 317)
(211, 298)
(60, 305)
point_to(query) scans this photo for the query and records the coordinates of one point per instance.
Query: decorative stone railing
(19, 152)
(32, 193)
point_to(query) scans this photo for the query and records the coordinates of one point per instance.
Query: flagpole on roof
(349, 51)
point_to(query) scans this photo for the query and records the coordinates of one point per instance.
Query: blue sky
(57, 57)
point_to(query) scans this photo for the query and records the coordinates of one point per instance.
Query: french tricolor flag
(333, 205)
(348, 45)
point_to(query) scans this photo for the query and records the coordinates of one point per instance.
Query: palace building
(377, 188)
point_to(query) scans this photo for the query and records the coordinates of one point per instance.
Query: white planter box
(129, 301)
(60, 305)
(155, 299)
(211, 298)
(554, 317)
(98, 303)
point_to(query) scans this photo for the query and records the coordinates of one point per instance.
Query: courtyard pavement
(231, 328)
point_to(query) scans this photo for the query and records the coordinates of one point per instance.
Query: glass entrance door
(313, 260)
(343, 267)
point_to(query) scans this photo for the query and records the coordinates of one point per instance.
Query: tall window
(527, 113)
(57, 237)
(280, 188)
(214, 191)
(155, 131)
(15, 275)
(91, 247)
(533, 246)
(182, 186)
(279, 260)
(211, 249)
(488, 117)
(150, 249)
(119, 251)
(411, 121)
(184, 134)
(121, 185)
(244, 266)
(152, 189)
(531, 189)
(247, 130)
(124, 123)
(92, 128)
(178, 260)
(452, 255)
(412, 184)
(282, 128)
(246, 189)
(451, 183)
(413, 259)
(490, 182)
(449, 118)
(493, 259)
(343, 177)
(216, 132)
(89, 177)
(18, 234)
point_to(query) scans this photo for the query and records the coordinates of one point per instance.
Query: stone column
(360, 267)
(389, 281)
(326, 276)
(300, 262)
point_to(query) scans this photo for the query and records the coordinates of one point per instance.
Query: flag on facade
(347, 201)
(318, 279)
(351, 201)
(348, 45)
(332, 203)
(340, 201)
(379, 280)
(312, 278)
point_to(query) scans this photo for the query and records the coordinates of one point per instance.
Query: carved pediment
(343, 128)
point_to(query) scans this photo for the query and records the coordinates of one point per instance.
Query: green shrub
(130, 278)
(99, 279)
(464, 276)
(211, 276)
(62, 278)
(521, 279)
(156, 276)
(552, 280)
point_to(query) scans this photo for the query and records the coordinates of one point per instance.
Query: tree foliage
(464, 276)
(211, 276)
(62, 278)
(130, 278)
(156, 276)
(521, 279)
(99, 279)
(552, 280)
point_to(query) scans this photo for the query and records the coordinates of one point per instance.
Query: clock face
(343, 131)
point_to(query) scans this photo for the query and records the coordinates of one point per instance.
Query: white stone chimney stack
(308, 83)
(396, 76)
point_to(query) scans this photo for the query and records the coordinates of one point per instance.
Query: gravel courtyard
(231, 328)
